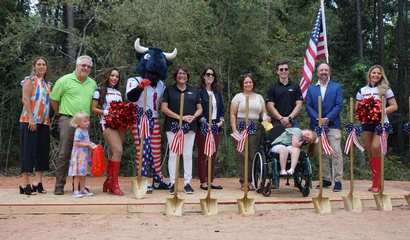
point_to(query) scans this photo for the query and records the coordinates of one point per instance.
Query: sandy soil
(289, 224)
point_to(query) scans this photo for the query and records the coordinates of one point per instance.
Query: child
(81, 154)
(290, 142)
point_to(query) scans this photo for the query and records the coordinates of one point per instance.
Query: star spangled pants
(155, 150)
(189, 139)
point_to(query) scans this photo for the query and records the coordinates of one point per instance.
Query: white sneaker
(78, 194)
(283, 173)
(290, 172)
(86, 193)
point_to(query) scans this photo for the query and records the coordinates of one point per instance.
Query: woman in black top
(209, 88)
(192, 110)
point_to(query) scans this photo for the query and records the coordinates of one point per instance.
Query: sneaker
(78, 194)
(337, 187)
(59, 191)
(326, 184)
(86, 192)
(290, 172)
(172, 189)
(149, 189)
(162, 185)
(283, 173)
(188, 189)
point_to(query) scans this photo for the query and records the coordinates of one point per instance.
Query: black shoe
(27, 190)
(326, 184)
(172, 189)
(218, 187)
(337, 187)
(39, 188)
(59, 191)
(188, 189)
(204, 187)
(160, 185)
(149, 189)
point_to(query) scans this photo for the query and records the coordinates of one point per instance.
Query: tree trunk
(401, 82)
(69, 26)
(359, 28)
(380, 32)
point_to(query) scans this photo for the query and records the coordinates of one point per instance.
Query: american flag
(352, 138)
(177, 145)
(144, 126)
(210, 148)
(240, 138)
(317, 49)
(328, 150)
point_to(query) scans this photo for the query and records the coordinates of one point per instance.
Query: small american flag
(352, 138)
(210, 148)
(144, 126)
(240, 138)
(327, 149)
(317, 49)
(177, 145)
(383, 142)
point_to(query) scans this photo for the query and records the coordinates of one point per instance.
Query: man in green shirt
(72, 93)
(290, 142)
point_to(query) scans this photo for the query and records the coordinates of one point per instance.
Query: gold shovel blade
(322, 205)
(174, 206)
(383, 202)
(407, 197)
(209, 206)
(352, 203)
(139, 188)
(246, 206)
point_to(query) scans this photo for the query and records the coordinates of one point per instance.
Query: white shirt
(256, 106)
(214, 108)
(368, 91)
(152, 100)
(322, 89)
(111, 96)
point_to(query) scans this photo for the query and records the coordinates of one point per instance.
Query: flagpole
(322, 7)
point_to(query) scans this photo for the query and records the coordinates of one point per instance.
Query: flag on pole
(144, 126)
(316, 49)
(210, 147)
(327, 149)
(177, 145)
(352, 139)
(240, 138)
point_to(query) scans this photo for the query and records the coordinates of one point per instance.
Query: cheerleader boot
(376, 162)
(114, 186)
(107, 183)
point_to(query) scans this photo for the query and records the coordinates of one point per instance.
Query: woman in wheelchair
(290, 142)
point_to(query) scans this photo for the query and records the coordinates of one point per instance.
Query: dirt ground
(290, 223)
(282, 224)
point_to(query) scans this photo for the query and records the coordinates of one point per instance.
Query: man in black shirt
(284, 99)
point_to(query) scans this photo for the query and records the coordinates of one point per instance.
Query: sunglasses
(210, 74)
(283, 69)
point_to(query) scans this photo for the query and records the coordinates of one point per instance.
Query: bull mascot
(152, 67)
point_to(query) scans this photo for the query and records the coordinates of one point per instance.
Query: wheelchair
(266, 168)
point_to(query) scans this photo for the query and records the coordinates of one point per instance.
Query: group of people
(75, 96)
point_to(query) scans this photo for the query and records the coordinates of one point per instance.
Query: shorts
(277, 148)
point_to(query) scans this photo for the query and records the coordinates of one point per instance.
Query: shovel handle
(246, 158)
(381, 151)
(142, 140)
(351, 153)
(181, 113)
(209, 158)
(319, 106)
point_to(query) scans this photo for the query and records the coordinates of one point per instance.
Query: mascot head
(153, 62)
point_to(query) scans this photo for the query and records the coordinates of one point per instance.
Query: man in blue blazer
(332, 102)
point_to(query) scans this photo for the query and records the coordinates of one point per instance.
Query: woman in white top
(106, 93)
(377, 86)
(257, 111)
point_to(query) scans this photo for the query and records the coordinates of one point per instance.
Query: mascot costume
(152, 67)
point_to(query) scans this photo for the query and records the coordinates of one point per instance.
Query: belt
(66, 115)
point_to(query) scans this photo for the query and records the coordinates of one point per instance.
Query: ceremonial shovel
(321, 204)
(209, 205)
(383, 201)
(174, 205)
(407, 197)
(246, 205)
(139, 184)
(351, 202)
